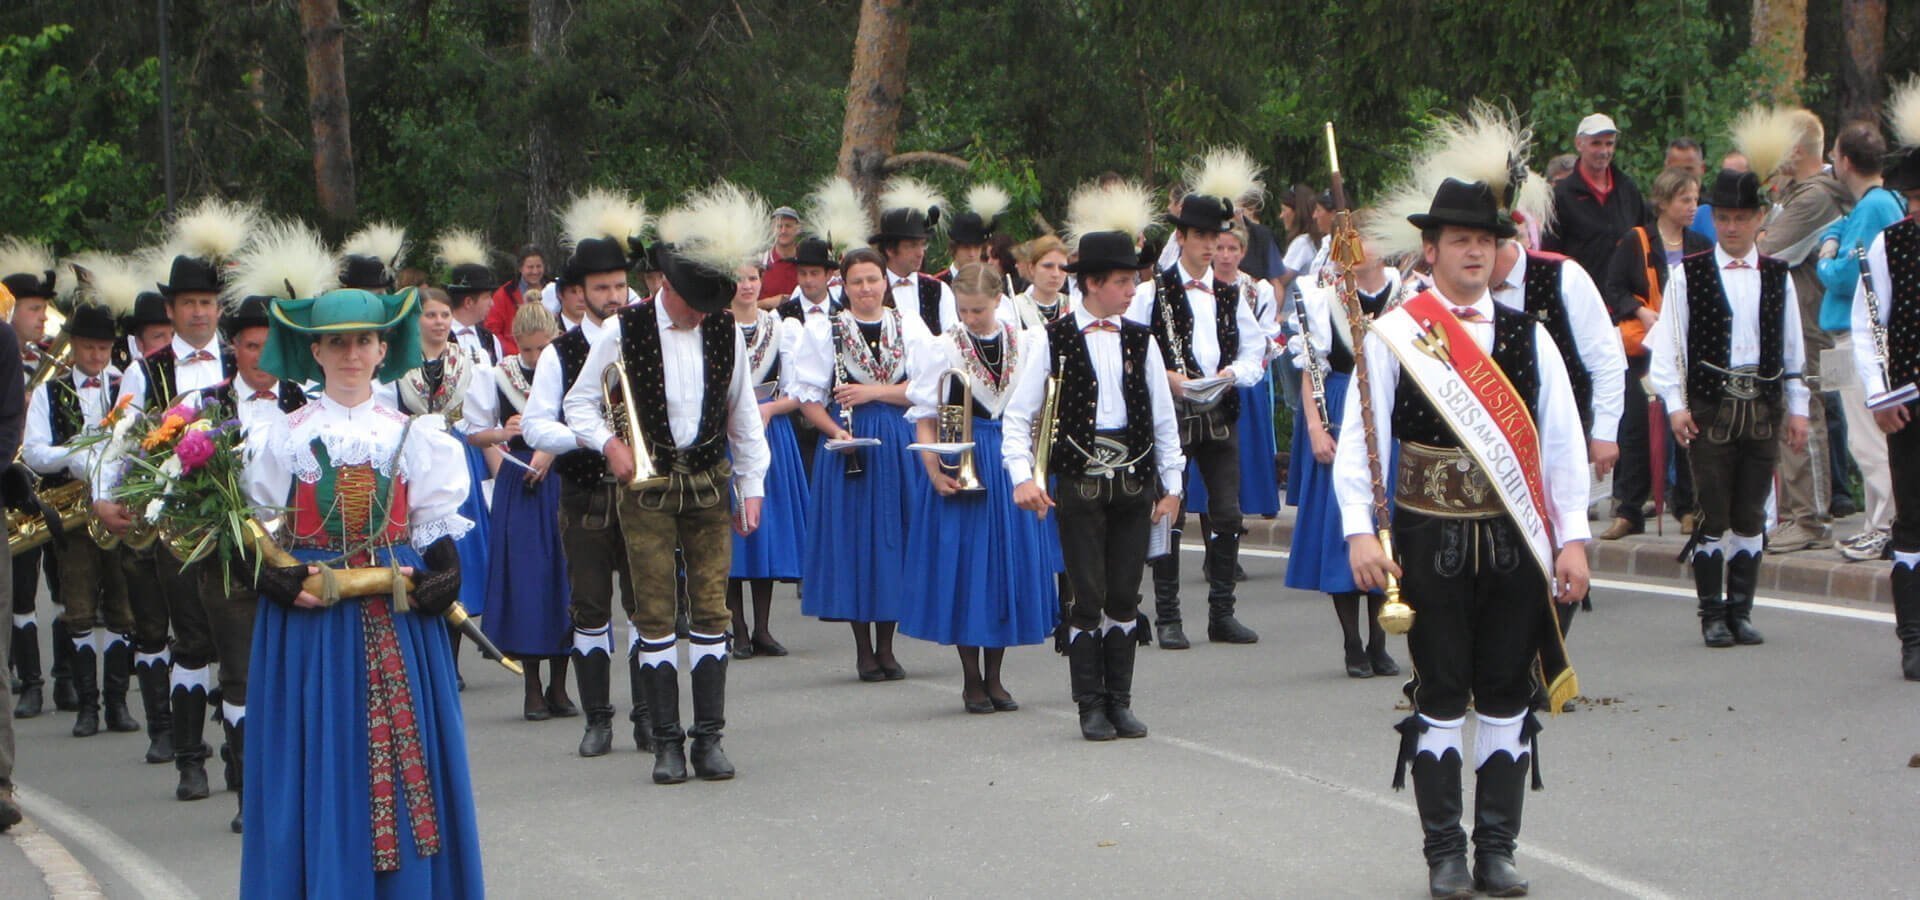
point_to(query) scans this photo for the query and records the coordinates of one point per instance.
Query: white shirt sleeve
(1873, 376)
(268, 480)
(1794, 358)
(1016, 422)
(37, 449)
(1600, 350)
(791, 331)
(585, 403)
(540, 425)
(1249, 363)
(949, 308)
(480, 410)
(746, 433)
(924, 368)
(437, 483)
(1166, 426)
(1352, 478)
(811, 362)
(1667, 340)
(1140, 311)
(1563, 444)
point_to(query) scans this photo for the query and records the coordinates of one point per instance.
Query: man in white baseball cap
(1597, 203)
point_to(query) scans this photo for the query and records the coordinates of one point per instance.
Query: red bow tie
(90, 384)
(1100, 325)
(198, 356)
(1468, 314)
(1739, 264)
(904, 282)
(816, 310)
(264, 395)
(1198, 285)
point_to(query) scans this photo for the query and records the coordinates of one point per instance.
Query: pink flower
(185, 414)
(194, 450)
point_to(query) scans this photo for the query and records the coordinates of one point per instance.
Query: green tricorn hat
(293, 325)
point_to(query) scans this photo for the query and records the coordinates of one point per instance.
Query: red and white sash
(1480, 405)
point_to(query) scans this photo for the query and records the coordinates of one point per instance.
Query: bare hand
(1324, 446)
(1797, 432)
(1892, 420)
(1647, 317)
(1684, 430)
(1570, 576)
(844, 435)
(512, 426)
(619, 459)
(114, 515)
(856, 394)
(747, 520)
(1178, 381)
(943, 484)
(307, 600)
(1829, 249)
(542, 461)
(1166, 508)
(1603, 454)
(1370, 563)
(1030, 496)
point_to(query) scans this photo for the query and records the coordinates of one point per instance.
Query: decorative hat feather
(1903, 113)
(1125, 206)
(383, 241)
(719, 228)
(1488, 144)
(988, 201)
(1766, 135)
(601, 213)
(907, 192)
(286, 260)
(461, 247)
(19, 256)
(837, 215)
(1225, 172)
(152, 264)
(111, 281)
(213, 230)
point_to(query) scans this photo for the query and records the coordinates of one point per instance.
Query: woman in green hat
(358, 742)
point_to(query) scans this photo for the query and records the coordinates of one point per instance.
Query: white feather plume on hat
(1903, 112)
(213, 230)
(287, 260)
(1122, 206)
(837, 215)
(383, 241)
(1766, 135)
(461, 247)
(152, 265)
(19, 256)
(1225, 172)
(1488, 144)
(601, 213)
(719, 228)
(907, 192)
(110, 281)
(988, 201)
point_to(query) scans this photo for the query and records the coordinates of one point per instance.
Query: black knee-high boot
(661, 684)
(1117, 654)
(1906, 618)
(116, 676)
(1086, 667)
(66, 694)
(190, 752)
(1709, 570)
(642, 723)
(1743, 578)
(1499, 793)
(26, 664)
(1437, 793)
(709, 676)
(83, 667)
(235, 753)
(592, 680)
(154, 676)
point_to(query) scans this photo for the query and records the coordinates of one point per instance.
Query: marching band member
(990, 578)
(28, 270)
(910, 210)
(1045, 299)
(771, 553)
(971, 231)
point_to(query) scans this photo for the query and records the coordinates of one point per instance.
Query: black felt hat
(814, 251)
(470, 278)
(1106, 251)
(906, 225)
(149, 308)
(1737, 190)
(591, 256)
(1902, 172)
(702, 288)
(93, 321)
(368, 273)
(24, 285)
(969, 228)
(250, 313)
(1204, 213)
(1467, 204)
(191, 274)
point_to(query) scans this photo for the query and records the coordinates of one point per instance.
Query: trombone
(955, 426)
(624, 417)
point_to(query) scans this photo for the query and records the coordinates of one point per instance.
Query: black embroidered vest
(1080, 395)
(1543, 302)
(930, 302)
(1903, 307)
(161, 369)
(1414, 416)
(65, 419)
(641, 350)
(1710, 329)
(1340, 356)
(581, 468)
(1171, 304)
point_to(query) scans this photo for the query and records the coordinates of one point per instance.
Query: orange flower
(119, 406)
(168, 429)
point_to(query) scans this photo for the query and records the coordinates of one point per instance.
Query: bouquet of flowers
(183, 479)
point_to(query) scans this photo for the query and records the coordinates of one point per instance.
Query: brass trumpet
(955, 426)
(1043, 426)
(27, 530)
(623, 417)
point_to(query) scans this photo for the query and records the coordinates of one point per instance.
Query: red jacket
(506, 302)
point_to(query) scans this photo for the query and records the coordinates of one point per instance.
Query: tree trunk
(874, 90)
(327, 108)
(545, 43)
(1780, 34)
(1863, 24)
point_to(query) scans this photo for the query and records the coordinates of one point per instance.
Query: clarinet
(1315, 375)
(1879, 332)
(842, 376)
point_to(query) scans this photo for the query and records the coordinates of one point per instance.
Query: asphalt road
(1772, 771)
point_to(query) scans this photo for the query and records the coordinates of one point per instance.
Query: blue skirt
(980, 567)
(307, 801)
(473, 546)
(857, 529)
(1259, 493)
(1319, 559)
(774, 550)
(527, 587)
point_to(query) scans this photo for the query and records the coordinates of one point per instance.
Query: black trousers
(1903, 458)
(1479, 603)
(26, 576)
(1215, 451)
(230, 610)
(1633, 476)
(1733, 461)
(596, 553)
(208, 625)
(1103, 542)
(145, 596)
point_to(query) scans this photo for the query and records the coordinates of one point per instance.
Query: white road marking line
(64, 875)
(1801, 606)
(134, 866)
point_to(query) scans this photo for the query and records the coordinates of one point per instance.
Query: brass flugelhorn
(26, 529)
(1043, 427)
(955, 426)
(623, 416)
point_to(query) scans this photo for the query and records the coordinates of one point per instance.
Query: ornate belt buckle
(1107, 454)
(1743, 383)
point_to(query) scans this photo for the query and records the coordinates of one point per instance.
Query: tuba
(27, 530)
(623, 417)
(955, 421)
